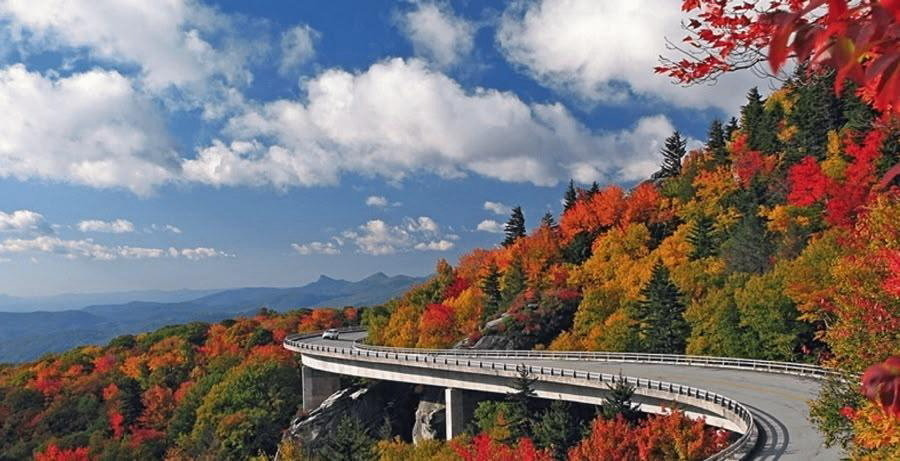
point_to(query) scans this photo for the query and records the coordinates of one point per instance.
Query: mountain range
(28, 335)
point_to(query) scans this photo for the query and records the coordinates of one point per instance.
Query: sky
(213, 144)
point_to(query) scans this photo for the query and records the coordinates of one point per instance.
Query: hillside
(778, 240)
(27, 336)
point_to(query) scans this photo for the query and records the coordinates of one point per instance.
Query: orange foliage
(437, 327)
(321, 319)
(603, 210)
(484, 448)
(54, 453)
(159, 402)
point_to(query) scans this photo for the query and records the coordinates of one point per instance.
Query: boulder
(430, 422)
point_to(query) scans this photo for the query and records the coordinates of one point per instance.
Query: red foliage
(47, 381)
(643, 202)
(321, 319)
(484, 448)
(881, 384)
(749, 163)
(807, 183)
(892, 282)
(117, 423)
(141, 436)
(54, 453)
(104, 363)
(603, 210)
(859, 41)
(437, 326)
(454, 289)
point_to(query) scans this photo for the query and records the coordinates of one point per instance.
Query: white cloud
(91, 128)
(437, 33)
(321, 248)
(119, 226)
(297, 47)
(497, 208)
(489, 225)
(171, 40)
(172, 229)
(399, 118)
(88, 249)
(599, 50)
(376, 237)
(24, 220)
(377, 201)
(440, 245)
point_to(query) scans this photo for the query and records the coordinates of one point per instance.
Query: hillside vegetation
(187, 392)
(779, 239)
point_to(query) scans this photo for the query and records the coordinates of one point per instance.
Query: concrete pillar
(453, 400)
(318, 386)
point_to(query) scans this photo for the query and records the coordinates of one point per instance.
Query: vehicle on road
(331, 334)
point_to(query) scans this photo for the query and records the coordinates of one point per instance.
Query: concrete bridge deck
(777, 401)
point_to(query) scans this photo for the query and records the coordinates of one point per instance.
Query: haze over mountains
(28, 335)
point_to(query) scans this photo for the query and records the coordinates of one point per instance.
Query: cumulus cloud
(377, 201)
(437, 34)
(605, 51)
(320, 248)
(377, 237)
(24, 221)
(399, 117)
(489, 225)
(88, 249)
(172, 229)
(172, 41)
(119, 226)
(91, 128)
(497, 208)
(297, 47)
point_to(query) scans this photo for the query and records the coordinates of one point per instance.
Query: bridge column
(455, 415)
(318, 386)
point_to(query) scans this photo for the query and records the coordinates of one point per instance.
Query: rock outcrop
(430, 422)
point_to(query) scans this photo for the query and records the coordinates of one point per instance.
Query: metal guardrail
(798, 369)
(744, 443)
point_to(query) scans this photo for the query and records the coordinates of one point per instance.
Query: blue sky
(187, 144)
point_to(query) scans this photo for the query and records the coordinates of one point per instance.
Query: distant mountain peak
(325, 278)
(376, 277)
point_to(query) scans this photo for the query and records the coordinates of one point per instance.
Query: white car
(331, 334)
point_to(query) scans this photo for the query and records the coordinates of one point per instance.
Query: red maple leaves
(881, 384)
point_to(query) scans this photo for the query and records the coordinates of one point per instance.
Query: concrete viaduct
(763, 401)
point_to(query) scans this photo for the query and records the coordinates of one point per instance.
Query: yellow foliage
(426, 450)
(403, 328)
(675, 249)
(783, 96)
(468, 308)
(615, 334)
(566, 341)
(834, 166)
(876, 434)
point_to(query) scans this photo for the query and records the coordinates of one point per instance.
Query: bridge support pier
(318, 386)
(455, 413)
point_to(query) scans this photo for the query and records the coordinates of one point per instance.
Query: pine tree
(753, 116)
(521, 420)
(748, 248)
(556, 430)
(571, 196)
(702, 238)
(816, 111)
(731, 128)
(660, 315)
(672, 153)
(595, 188)
(349, 442)
(490, 286)
(619, 401)
(513, 281)
(515, 227)
(716, 142)
(548, 221)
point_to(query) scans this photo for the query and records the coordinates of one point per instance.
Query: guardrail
(799, 369)
(744, 443)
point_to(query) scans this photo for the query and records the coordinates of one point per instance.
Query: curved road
(777, 401)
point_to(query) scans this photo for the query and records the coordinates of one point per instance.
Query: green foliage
(194, 333)
(749, 247)
(619, 401)
(520, 419)
(571, 196)
(490, 417)
(836, 394)
(556, 430)
(547, 220)
(515, 227)
(579, 249)
(490, 286)
(660, 315)
(702, 237)
(512, 283)
(771, 317)
(349, 442)
(674, 149)
(716, 142)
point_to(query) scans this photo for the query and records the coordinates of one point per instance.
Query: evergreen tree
(556, 430)
(490, 286)
(513, 281)
(349, 442)
(672, 153)
(571, 196)
(548, 221)
(731, 128)
(619, 401)
(716, 142)
(748, 248)
(660, 315)
(767, 137)
(753, 116)
(702, 238)
(515, 227)
(595, 188)
(580, 248)
(521, 419)
(816, 111)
